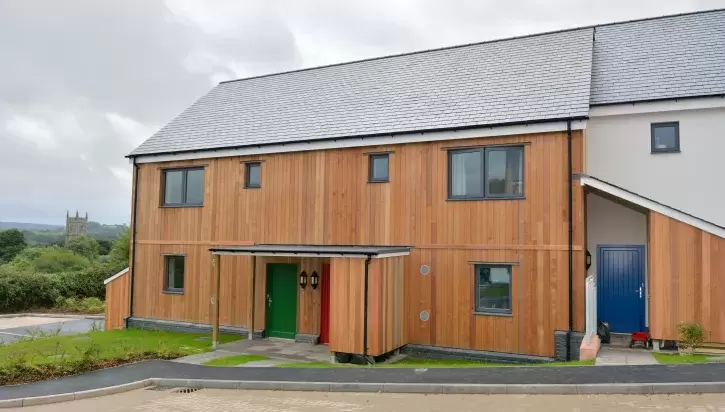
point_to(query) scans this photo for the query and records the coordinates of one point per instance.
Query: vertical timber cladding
(322, 197)
(686, 273)
(117, 301)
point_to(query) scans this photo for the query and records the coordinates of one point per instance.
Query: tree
(119, 255)
(85, 246)
(12, 242)
(105, 246)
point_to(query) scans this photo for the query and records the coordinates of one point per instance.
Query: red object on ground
(642, 337)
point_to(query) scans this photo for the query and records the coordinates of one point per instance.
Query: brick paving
(267, 401)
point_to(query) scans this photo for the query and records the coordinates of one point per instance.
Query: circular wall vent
(424, 270)
(424, 316)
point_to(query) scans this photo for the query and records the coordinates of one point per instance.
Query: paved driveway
(13, 329)
(217, 400)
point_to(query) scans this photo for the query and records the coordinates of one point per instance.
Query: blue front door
(620, 287)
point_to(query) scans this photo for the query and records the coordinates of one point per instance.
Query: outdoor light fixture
(303, 279)
(589, 260)
(315, 280)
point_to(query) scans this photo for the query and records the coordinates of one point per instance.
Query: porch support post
(216, 266)
(252, 285)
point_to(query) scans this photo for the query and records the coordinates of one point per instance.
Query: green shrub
(87, 305)
(52, 259)
(20, 291)
(86, 283)
(691, 336)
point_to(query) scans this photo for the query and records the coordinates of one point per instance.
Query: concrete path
(12, 329)
(429, 378)
(218, 400)
(610, 356)
(279, 352)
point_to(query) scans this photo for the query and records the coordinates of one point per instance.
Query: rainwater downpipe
(133, 237)
(571, 237)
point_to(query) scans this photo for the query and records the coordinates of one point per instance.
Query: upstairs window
(174, 273)
(493, 289)
(665, 137)
(379, 168)
(183, 187)
(486, 173)
(253, 175)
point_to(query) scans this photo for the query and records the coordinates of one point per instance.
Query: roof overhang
(116, 276)
(318, 251)
(650, 204)
(363, 141)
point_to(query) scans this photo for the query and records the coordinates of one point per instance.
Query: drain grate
(186, 390)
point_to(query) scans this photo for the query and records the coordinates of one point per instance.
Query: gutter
(133, 238)
(571, 238)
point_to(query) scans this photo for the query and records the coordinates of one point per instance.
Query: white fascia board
(367, 141)
(389, 255)
(651, 205)
(112, 278)
(659, 106)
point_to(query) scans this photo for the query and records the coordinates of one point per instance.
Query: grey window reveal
(183, 187)
(253, 178)
(493, 289)
(379, 168)
(665, 137)
(486, 173)
(174, 273)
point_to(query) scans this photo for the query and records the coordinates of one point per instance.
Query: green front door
(281, 300)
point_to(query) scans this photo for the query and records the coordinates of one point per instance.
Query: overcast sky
(83, 82)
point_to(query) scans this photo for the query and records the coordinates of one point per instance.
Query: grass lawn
(49, 357)
(677, 359)
(413, 362)
(234, 360)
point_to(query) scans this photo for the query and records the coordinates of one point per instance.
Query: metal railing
(591, 307)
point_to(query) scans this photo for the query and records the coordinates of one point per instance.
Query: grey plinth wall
(174, 326)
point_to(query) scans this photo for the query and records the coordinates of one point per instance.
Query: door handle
(640, 292)
(269, 300)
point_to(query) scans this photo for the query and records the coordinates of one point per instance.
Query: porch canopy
(314, 251)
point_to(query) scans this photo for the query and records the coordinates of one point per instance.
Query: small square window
(665, 137)
(493, 289)
(253, 175)
(174, 273)
(379, 168)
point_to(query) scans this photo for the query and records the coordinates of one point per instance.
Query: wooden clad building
(452, 198)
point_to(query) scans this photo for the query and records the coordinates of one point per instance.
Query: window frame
(185, 172)
(247, 168)
(167, 288)
(654, 126)
(476, 290)
(371, 159)
(485, 189)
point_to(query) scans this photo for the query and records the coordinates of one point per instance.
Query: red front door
(325, 304)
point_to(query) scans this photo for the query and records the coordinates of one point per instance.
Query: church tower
(75, 226)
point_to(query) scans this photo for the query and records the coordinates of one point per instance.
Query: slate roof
(508, 81)
(525, 79)
(663, 58)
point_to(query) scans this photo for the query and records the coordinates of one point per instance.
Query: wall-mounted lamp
(589, 260)
(303, 279)
(315, 280)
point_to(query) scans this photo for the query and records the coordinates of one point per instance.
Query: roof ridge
(593, 26)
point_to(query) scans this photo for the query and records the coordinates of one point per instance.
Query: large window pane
(493, 284)
(174, 273)
(195, 187)
(173, 190)
(466, 174)
(505, 172)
